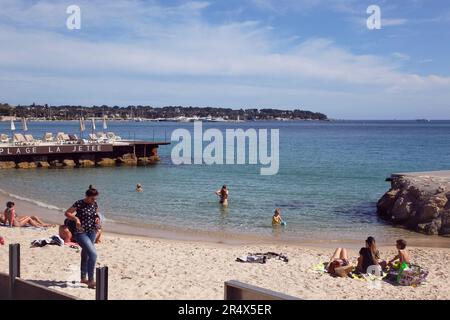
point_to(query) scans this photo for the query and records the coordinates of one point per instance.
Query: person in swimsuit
(82, 219)
(276, 218)
(14, 220)
(223, 196)
(339, 264)
(138, 187)
(402, 255)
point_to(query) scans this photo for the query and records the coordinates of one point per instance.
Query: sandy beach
(152, 268)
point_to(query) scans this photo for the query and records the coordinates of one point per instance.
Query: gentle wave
(43, 204)
(33, 201)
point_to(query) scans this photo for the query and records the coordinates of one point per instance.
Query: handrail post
(101, 292)
(14, 266)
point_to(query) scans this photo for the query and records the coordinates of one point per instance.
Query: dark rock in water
(419, 202)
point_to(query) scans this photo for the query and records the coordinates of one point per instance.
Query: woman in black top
(369, 256)
(83, 217)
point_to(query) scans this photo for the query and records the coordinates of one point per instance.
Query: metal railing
(12, 287)
(235, 290)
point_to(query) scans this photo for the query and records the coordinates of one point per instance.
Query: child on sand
(402, 255)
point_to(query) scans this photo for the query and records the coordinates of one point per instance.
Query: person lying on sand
(339, 264)
(402, 255)
(14, 220)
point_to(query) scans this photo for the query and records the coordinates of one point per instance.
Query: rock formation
(419, 202)
(106, 162)
(128, 159)
(7, 164)
(85, 163)
(26, 165)
(43, 164)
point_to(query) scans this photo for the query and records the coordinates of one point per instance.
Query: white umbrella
(13, 126)
(82, 127)
(93, 124)
(105, 125)
(24, 124)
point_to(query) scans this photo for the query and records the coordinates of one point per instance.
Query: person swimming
(223, 195)
(276, 218)
(138, 187)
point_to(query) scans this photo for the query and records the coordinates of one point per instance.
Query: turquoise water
(330, 177)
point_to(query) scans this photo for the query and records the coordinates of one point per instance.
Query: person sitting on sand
(369, 256)
(339, 264)
(402, 255)
(138, 187)
(15, 221)
(65, 233)
(223, 195)
(276, 218)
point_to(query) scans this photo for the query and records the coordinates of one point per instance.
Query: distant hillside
(148, 112)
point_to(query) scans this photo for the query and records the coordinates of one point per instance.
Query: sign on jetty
(61, 149)
(46, 155)
(418, 201)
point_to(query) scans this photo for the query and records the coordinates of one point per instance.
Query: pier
(79, 154)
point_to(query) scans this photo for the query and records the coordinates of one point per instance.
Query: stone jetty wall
(128, 159)
(418, 201)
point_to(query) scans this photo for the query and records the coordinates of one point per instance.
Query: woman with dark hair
(13, 220)
(369, 256)
(83, 219)
(223, 195)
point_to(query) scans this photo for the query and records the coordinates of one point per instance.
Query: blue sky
(311, 54)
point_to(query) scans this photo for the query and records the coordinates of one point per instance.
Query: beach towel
(412, 275)
(262, 257)
(53, 240)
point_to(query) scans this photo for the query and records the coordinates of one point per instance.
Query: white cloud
(135, 52)
(393, 22)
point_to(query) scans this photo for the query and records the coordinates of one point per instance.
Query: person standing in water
(138, 187)
(223, 195)
(83, 219)
(276, 218)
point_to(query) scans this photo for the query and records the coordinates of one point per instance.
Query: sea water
(331, 175)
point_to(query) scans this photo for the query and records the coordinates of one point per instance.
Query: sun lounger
(93, 138)
(73, 138)
(62, 137)
(4, 138)
(30, 139)
(48, 137)
(112, 136)
(19, 139)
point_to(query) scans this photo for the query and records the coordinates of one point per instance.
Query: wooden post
(14, 266)
(101, 292)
